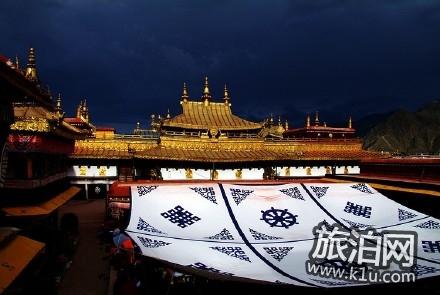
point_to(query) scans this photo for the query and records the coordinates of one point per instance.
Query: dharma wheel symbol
(278, 217)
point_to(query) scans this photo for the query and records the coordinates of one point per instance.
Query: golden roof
(218, 156)
(200, 115)
(253, 150)
(31, 118)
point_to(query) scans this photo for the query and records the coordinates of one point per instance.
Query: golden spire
(85, 110)
(271, 119)
(31, 69)
(138, 125)
(308, 120)
(317, 118)
(206, 93)
(168, 114)
(185, 95)
(79, 109)
(49, 92)
(58, 107)
(286, 125)
(17, 63)
(350, 123)
(325, 124)
(279, 120)
(226, 95)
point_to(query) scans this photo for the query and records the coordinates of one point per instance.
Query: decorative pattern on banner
(275, 232)
(150, 243)
(236, 252)
(404, 215)
(202, 266)
(319, 191)
(362, 188)
(278, 253)
(431, 246)
(293, 192)
(331, 283)
(419, 270)
(145, 226)
(279, 217)
(180, 217)
(260, 236)
(206, 192)
(356, 224)
(223, 235)
(240, 194)
(430, 224)
(358, 210)
(144, 190)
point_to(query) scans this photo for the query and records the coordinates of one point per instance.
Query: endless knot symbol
(206, 192)
(181, 217)
(240, 194)
(362, 187)
(143, 190)
(319, 191)
(150, 243)
(431, 246)
(358, 210)
(293, 192)
(278, 217)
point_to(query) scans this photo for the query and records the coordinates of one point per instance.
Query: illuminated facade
(208, 141)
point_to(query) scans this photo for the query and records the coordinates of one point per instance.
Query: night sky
(130, 58)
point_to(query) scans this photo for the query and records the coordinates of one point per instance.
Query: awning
(14, 257)
(281, 233)
(43, 208)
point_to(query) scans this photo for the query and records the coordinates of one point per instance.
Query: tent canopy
(266, 232)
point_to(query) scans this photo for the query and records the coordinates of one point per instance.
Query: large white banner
(270, 232)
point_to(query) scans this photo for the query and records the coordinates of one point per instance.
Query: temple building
(35, 144)
(208, 141)
(320, 130)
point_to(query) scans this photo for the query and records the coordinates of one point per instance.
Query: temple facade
(206, 140)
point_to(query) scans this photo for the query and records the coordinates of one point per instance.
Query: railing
(136, 136)
(34, 183)
(192, 134)
(314, 139)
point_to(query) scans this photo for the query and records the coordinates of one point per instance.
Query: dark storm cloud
(130, 58)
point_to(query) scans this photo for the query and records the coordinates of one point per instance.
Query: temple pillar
(87, 191)
(29, 165)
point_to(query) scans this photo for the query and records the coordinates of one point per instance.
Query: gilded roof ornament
(226, 94)
(317, 118)
(168, 114)
(58, 106)
(79, 109)
(185, 95)
(31, 68)
(350, 123)
(308, 120)
(206, 93)
(17, 63)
